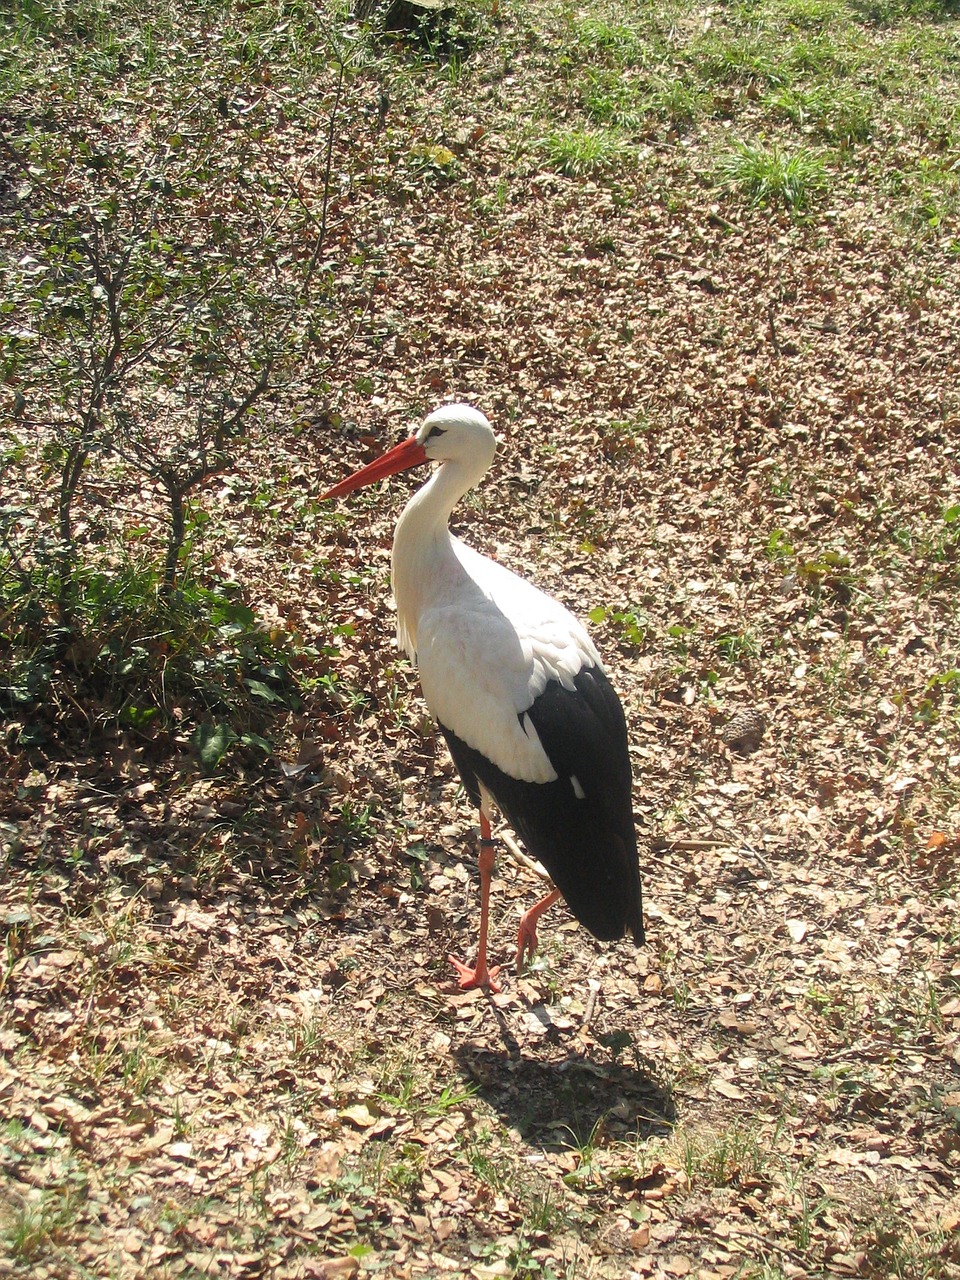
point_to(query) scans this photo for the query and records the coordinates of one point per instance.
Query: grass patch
(836, 113)
(616, 42)
(768, 175)
(579, 153)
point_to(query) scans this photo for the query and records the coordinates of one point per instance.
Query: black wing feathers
(580, 827)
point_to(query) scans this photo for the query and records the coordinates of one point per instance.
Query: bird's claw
(478, 975)
(526, 944)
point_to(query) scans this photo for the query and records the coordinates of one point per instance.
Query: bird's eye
(434, 432)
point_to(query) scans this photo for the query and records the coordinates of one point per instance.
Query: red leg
(527, 935)
(479, 975)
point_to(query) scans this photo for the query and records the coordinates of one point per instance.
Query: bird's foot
(526, 941)
(477, 975)
(527, 933)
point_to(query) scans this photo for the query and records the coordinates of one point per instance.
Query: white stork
(517, 687)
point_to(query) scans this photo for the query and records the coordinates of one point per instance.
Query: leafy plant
(739, 646)
(630, 628)
(164, 276)
(835, 113)
(140, 656)
(779, 546)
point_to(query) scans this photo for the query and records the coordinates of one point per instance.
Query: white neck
(423, 556)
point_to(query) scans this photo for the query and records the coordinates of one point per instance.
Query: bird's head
(455, 433)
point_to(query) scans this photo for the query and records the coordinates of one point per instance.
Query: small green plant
(620, 440)
(738, 647)
(630, 628)
(809, 1217)
(308, 1043)
(829, 573)
(678, 101)
(613, 102)
(892, 1245)
(768, 175)
(748, 57)
(727, 1157)
(580, 153)
(487, 1162)
(623, 45)
(403, 1174)
(450, 1097)
(141, 656)
(585, 1150)
(30, 1226)
(840, 1011)
(779, 546)
(834, 113)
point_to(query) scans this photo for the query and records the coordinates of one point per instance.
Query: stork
(519, 692)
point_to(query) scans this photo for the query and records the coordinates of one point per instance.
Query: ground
(729, 425)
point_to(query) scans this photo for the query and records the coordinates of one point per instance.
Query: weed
(748, 57)
(833, 112)
(894, 1247)
(308, 1042)
(585, 1149)
(679, 102)
(779, 546)
(404, 1173)
(621, 44)
(354, 825)
(580, 153)
(738, 647)
(830, 573)
(141, 656)
(620, 440)
(630, 628)
(767, 175)
(32, 1225)
(140, 1068)
(723, 1158)
(450, 1097)
(487, 1162)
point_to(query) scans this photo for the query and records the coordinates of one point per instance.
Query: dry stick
(786, 1250)
(591, 1008)
(691, 846)
(519, 856)
(771, 321)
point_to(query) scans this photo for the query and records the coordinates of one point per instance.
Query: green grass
(835, 113)
(30, 1227)
(616, 42)
(580, 153)
(768, 175)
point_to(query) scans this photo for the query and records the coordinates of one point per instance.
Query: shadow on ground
(573, 1101)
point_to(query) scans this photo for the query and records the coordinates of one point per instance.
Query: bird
(518, 690)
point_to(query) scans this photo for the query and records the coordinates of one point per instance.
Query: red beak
(408, 454)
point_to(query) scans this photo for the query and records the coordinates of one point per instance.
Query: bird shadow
(556, 1104)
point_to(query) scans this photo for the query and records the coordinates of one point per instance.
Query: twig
(518, 855)
(771, 321)
(758, 857)
(591, 1007)
(691, 846)
(716, 220)
(786, 1250)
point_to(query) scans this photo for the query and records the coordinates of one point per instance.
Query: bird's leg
(527, 934)
(480, 975)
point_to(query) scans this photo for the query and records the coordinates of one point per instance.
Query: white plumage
(518, 689)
